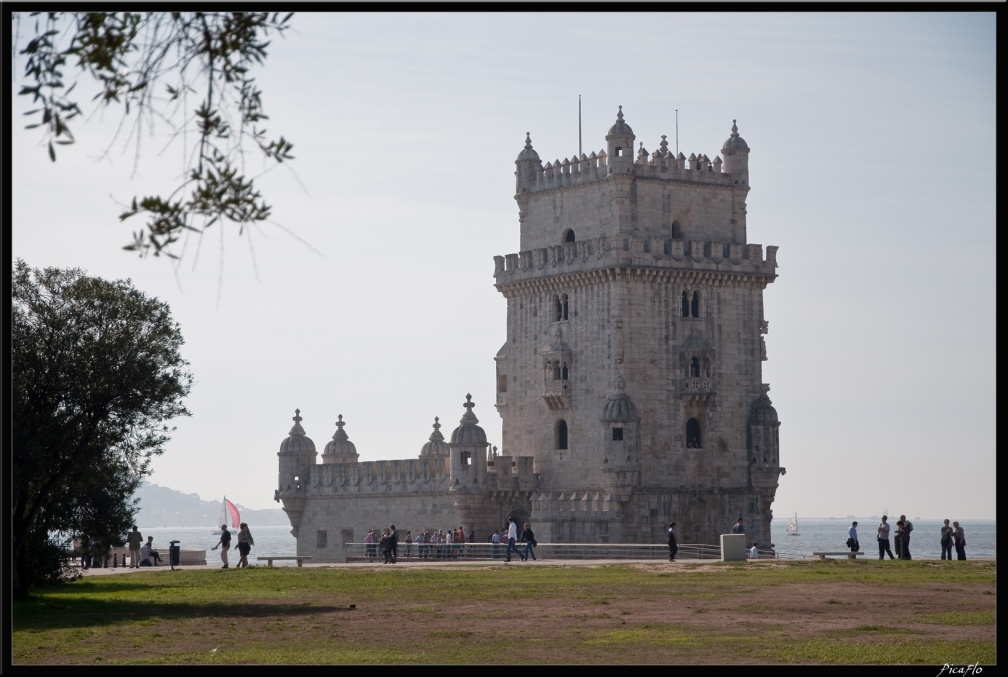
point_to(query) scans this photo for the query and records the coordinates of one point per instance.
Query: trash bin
(173, 554)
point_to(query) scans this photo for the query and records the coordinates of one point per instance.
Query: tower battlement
(636, 252)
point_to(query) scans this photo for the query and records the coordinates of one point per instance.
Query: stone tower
(632, 369)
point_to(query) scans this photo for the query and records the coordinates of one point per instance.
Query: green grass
(479, 614)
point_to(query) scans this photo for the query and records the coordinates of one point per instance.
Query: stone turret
(340, 449)
(435, 446)
(619, 146)
(297, 456)
(735, 152)
(468, 451)
(621, 446)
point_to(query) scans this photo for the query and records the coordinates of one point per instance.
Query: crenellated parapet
(636, 252)
(511, 473)
(402, 476)
(564, 504)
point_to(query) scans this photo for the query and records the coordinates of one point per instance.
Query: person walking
(959, 537)
(245, 544)
(852, 540)
(673, 542)
(738, 528)
(946, 540)
(530, 542)
(134, 540)
(224, 544)
(883, 539)
(512, 537)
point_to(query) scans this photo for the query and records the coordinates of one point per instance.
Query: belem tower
(629, 385)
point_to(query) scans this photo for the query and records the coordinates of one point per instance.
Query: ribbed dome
(340, 448)
(620, 128)
(619, 407)
(735, 143)
(468, 432)
(763, 412)
(528, 153)
(297, 442)
(436, 446)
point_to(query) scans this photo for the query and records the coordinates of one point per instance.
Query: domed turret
(619, 408)
(297, 442)
(619, 146)
(436, 446)
(735, 152)
(763, 412)
(527, 165)
(468, 432)
(340, 449)
(468, 452)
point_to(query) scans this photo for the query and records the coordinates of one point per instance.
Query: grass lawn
(927, 612)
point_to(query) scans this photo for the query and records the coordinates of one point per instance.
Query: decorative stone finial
(297, 429)
(436, 436)
(619, 116)
(528, 140)
(340, 434)
(664, 145)
(734, 128)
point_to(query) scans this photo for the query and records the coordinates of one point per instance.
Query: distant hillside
(164, 507)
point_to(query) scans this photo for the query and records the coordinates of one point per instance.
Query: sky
(370, 294)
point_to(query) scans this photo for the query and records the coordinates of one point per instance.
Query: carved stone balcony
(556, 393)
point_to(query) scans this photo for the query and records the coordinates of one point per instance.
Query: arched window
(695, 306)
(561, 434)
(563, 371)
(560, 307)
(694, 367)
(556, 371)
(685, 304)
(569, 235)
(693, 440)
(677, 230)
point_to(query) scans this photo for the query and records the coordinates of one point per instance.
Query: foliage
(152, 64)
(96, 372)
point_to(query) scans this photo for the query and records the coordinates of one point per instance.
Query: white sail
(792, 528)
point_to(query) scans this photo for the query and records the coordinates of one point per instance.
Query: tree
(193, 66)
(96, 373)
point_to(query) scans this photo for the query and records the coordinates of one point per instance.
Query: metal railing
(357, 552)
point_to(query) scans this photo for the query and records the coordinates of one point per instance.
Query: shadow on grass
(38, 615)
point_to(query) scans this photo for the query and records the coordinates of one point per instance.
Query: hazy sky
(872, 141)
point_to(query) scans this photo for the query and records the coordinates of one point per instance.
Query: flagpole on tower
(677, 132)
(579, 127)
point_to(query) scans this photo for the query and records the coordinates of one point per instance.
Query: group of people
(387, 542)
(141, 554)
(951, 536)
(514, 538)
(245, 543)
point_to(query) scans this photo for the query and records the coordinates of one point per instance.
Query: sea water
(829, 534)
(815, 534)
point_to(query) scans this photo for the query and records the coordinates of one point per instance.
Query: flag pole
(579, 128)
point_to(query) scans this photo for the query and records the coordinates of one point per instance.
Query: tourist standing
(530, 542)
(135, 540)
(899, 539)
(907, 528)
(960, 541)
(393, 543)
(673, 542)
(946, 540)
(245, 544)
(852, 540)
(738, 528)
(883, 539)
(224, 543)
(495, 539)
(409, 543)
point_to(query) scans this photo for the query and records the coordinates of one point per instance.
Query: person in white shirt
(512, 537)
(753, 552)
(145, 556)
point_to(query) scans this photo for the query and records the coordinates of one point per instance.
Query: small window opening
(685, 304)
(502, 383)
(466, 457)
(693, 440)
(694, 367)
(562, 434)
(569, 237)
(563, 371)
(695, 306)
(617, 434)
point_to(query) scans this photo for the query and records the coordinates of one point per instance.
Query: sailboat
(792, 527)
(228, 513)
